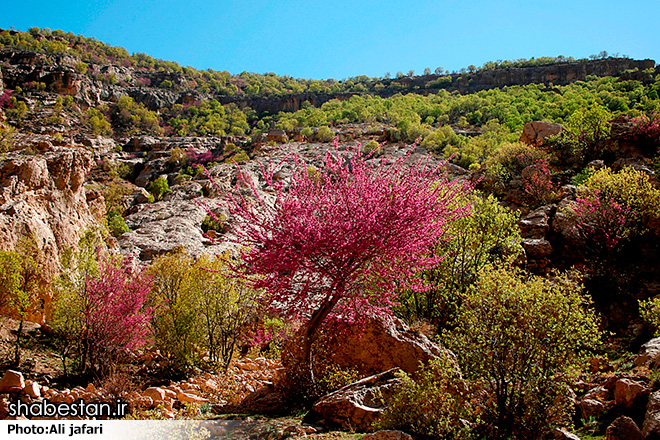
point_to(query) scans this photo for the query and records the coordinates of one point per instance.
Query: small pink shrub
(604, 224)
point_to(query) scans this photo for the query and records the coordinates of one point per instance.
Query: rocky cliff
(42, 194)
(58, 73)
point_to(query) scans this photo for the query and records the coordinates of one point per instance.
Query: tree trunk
(310, 333)
(17, 352)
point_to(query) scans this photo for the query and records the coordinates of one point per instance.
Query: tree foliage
(202, 309)
(519, 339)
(435, 404)
(21, 282)
(488, 235)
(342, 239)
(100, 310)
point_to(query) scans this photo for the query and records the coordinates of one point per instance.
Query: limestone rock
(358, 405)
(537, 247)
(380, 344)
(537, 223)
(265, 400)
(623, 428)
(599, 393)
(649, 354)
(155, 393)
(627, 392)
(32, 389)
(12, 380)
(534, 132)
(43, 195)
(651, 426)
(562, 434)
(190, 398)
(158, 228)
(591, 408)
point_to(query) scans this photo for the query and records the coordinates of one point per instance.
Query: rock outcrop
(377, 345)
(42, 195)
(623, 428)
(649, 354)
(536, 131)
(358, 405)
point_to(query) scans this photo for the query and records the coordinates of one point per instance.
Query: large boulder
(649, 354)
(377, 345)
(536, 224)
(623, 428)
(537, 247)
(651, 426)
(358, 405)
(534, 132)
(12, 381)
(628, 392)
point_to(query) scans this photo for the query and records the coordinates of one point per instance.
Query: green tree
(519, 339)
(489, 235)
(203, 309)
(178, 330)
(225, 304)
(21, 283)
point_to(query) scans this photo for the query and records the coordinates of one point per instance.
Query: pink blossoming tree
(602, 223)
(100, 310)
(344, 238)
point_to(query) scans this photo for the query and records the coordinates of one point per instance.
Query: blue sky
(340, 39)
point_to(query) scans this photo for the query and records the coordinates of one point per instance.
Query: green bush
(159, 187)
(216, 225)
(650, 311)
(438, 140)
(628, 187)
(98, 123)
(511, 159)
(434, 405)
(134, 118)
(520, 340)
(324, 134)
(116, 223)
(372, 147)
(202, 309)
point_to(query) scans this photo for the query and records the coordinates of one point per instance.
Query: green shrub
(324, 134)
(372, 147)
(159, 187)
(209, 223)
(628, 187)
(307, 132)
(650, 311)
(511, 159)
(116, 223)
(202, 309)
(98, 122)
(435, 405)
(239, 156)
(81, 67)
(134, 118)
(519, 340)
(438, 140)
